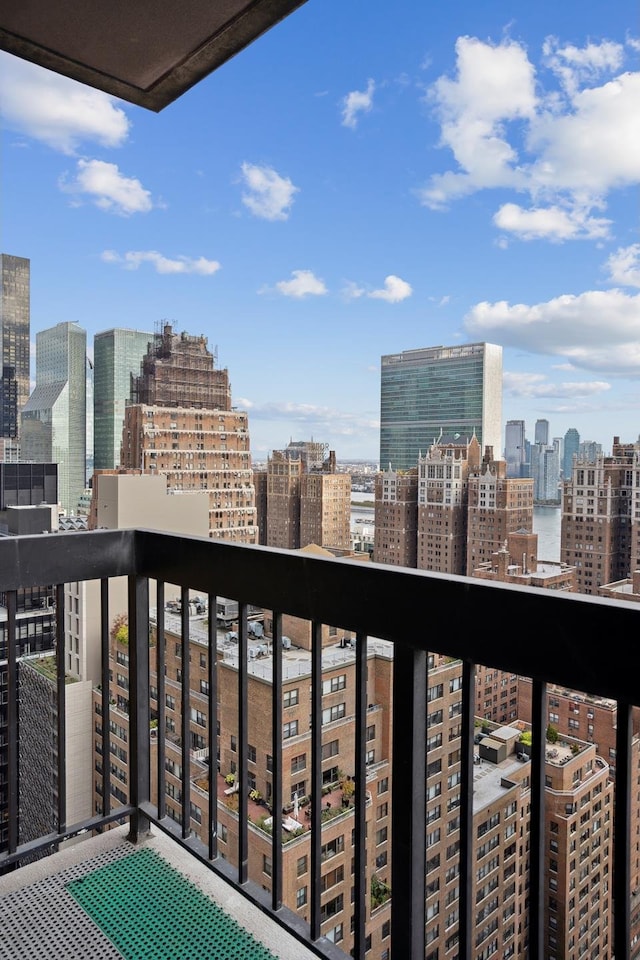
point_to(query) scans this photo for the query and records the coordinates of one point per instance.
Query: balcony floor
(42, 919)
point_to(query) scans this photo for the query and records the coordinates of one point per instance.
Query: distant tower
(542, 432)
(54, 420)
(545, 471)
(117, 356)
(14, 343)
(571, 446)
(435, 391)
(515, 450)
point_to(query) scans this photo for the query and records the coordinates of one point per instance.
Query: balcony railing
(577, 642)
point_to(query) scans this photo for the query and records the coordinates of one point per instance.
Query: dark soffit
(148, 52)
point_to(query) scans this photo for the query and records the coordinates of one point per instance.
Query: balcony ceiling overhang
(148, 52)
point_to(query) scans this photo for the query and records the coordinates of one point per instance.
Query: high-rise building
(589, 450)
(433, 391)
(54, 417)
(541, 434)
(600, 530)
(284, 475)
(305, 500)
(181, 424)
(14, 343)
(515, 449)
(117, 356)
(443, 494)
(466, 508)
(325, 507)
(545, 473)
(396, 518)
(28, 504)
(497, 507)
(571, 446)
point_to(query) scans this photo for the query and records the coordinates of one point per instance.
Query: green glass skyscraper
(439, 391)
(117, 355)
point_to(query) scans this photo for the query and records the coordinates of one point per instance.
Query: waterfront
(546, 523)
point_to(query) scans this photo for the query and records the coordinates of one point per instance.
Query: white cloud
(566, 148)
(268, 195)
(327, 419)
(304, 283)
(133, 258)
(351, 291)
(536, 385)
(593, 147)
(355, 103)
(550, 223)
(56, 110)
(597, 330)
(576, 66)
(624, 266)
(494, 84)
(394, 290)
(108, 188)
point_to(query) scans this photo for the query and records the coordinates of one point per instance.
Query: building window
(333, 684)
(290, 730)
(266, 864)
(301, 866)
(298, 763)
(301, 896)
(330, 749)
(336, 712)
(290, 698)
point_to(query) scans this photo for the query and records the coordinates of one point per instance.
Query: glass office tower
(439, 391)
(54, 417)
(117, 354)
(14, 342)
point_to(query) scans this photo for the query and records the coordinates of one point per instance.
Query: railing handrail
(570, 655)
(418, 612)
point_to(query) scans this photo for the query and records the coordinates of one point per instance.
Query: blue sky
(363, 179)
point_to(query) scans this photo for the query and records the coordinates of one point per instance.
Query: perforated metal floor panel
(151, 912)
(120, 905)
(43, 920)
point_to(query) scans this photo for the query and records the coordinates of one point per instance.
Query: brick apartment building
(303, 499)
(517, 562)
(498, 505)
(577, 836)
(396, 512)
(600, 533)
(182, 425)
(338, 763)
(443, 493)
(466, 508)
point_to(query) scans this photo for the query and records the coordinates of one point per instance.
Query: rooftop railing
(578, 642)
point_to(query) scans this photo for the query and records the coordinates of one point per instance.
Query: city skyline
(373, 197)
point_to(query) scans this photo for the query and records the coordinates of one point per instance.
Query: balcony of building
(457, 617)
